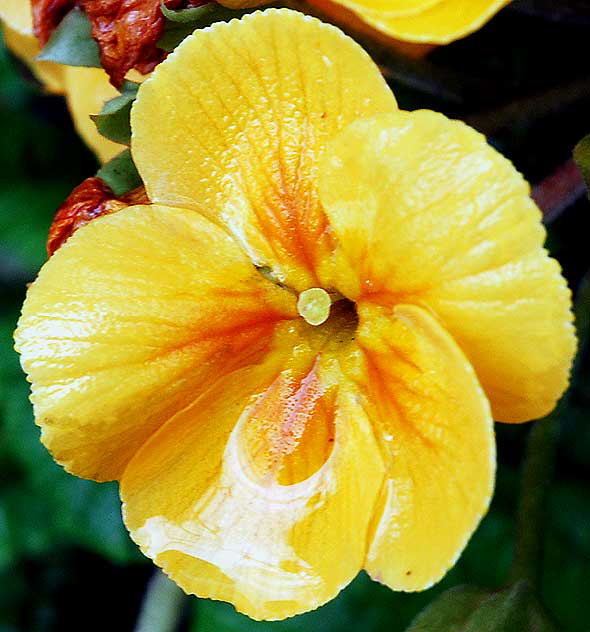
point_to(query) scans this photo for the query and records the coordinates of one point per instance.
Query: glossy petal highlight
(261, 493)
(129, 321)
(18, 16)
(435, 430)
(390, 8)
(442, 23)
(443, 220)
(255, 102)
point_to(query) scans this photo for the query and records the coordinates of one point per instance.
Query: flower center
(313, 305)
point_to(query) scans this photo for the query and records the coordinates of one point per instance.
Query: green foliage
(469, 609)
(450, 612)
(582, 158)
(191, 14)
(180, 24)
(114, 120)
(71, 43)
(120, 173)
(45, 513)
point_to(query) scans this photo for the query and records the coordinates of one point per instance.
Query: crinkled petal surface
(261, 493)
(444, 22)
(87, 90)
(234, 122)
(129, 321)
(435, 430)
(441, 219)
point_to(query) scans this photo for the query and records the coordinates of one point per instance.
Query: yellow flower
(85, 89)
(18, 35)
(423, 21)
(265, 460)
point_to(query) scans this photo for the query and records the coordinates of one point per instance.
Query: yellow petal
(390, 8)
(351, 22)
(427, 213)
(234, 122)
(261, 493)
(87, 90)
(18, 15)
(440, 24)
(243, 4)
(435, 430)
(27, 48)
(129, 322)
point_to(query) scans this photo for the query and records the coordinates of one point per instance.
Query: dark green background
(66, 562)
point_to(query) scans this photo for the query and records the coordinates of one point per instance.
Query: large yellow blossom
(432, 21)
(265, 460)
(85, 89)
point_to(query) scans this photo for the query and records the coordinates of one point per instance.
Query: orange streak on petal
(287, 434)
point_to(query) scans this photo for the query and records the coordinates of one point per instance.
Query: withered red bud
(127, 31)
(47, 14)
(89, 200)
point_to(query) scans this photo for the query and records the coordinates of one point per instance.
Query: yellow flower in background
(85, 89)
(420, 21)
(18, 35)
(292, 358)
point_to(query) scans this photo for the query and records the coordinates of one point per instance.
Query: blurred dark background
(66, 562)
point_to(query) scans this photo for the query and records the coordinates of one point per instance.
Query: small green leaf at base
(471, 609)
(187, 15)
(114, 120)
(180, 24)
(72, 43)
(582, 159)
(120, 173)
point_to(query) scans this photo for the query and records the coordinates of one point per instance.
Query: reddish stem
(559, 190)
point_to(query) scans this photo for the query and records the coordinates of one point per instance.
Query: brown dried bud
(89, 200)
(47, 14)
(127, 31)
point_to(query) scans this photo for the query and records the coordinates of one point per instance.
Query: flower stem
(536, 477)
(162, 605)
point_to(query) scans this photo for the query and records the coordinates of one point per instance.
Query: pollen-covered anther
(313, 305)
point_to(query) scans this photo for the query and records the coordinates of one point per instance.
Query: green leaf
(120, 173)
(114, 120)
(582, 158)
(450, 611)
(187, 15)
(72, 43)
(47, 507)
(186, 21)
(470, 609)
